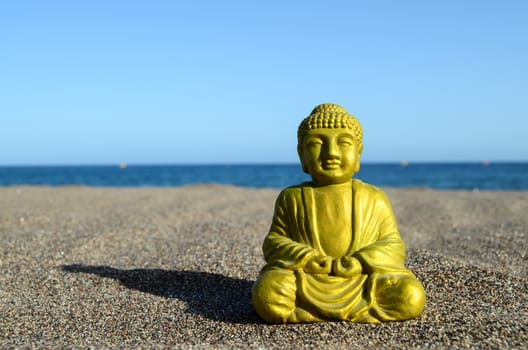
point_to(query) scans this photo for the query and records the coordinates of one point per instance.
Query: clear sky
(103, 82)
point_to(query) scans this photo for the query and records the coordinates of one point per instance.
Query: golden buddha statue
(333, 251)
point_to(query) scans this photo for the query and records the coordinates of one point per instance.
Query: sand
(173, 267)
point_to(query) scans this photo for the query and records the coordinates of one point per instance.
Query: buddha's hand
(319, 264)
(346, 266)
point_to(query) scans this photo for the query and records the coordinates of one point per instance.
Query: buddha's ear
(358, 166)
(358, 162)
(300, 153)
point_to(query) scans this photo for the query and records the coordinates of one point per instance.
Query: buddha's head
(329, 143)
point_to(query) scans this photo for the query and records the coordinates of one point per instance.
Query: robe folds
(295, 236)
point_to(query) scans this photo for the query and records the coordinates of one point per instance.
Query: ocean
(456, 176)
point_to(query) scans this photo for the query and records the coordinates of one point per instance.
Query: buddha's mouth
(331, 165)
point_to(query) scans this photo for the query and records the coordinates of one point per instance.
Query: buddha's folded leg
(273, 295)
(396, 297)
(274, 298)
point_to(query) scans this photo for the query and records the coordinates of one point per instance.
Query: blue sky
(103, 82)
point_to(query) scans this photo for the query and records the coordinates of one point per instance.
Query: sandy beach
(173, 267)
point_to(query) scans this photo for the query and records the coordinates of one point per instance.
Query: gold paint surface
(333, 251)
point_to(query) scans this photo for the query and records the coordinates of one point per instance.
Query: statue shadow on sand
(214, 296)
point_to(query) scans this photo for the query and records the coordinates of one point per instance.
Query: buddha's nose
(332, 151)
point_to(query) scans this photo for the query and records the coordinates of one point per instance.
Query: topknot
(328, 116)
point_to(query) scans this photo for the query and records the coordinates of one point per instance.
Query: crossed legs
(392, 298)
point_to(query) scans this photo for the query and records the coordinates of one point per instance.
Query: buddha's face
(330, 156)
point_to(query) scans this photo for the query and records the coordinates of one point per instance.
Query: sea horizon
(484, 175)
(381, 162)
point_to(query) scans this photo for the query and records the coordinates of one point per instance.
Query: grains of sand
(173, 267)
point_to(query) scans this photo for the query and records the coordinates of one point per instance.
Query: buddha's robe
(301, 228)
